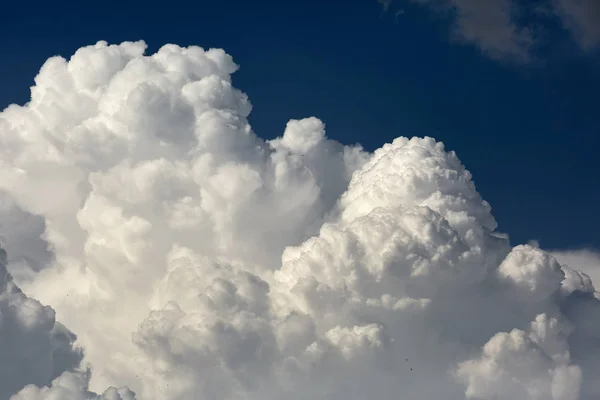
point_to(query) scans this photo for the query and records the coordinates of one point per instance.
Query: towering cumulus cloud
(186, 258)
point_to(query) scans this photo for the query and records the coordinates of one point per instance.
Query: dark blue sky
(528, 133)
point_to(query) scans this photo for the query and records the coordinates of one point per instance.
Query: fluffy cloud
(195, 260)
(34, 347)
(71, 386)
(37, 350)
(586, 261)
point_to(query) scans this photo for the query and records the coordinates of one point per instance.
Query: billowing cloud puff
(34, 347)
(72, 386)
(195, 260)
(586, 261)
(36, 350)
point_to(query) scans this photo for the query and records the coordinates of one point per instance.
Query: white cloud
(71, 386)
(517, 365)
(34, 348)
(195, 260)
(583, 260)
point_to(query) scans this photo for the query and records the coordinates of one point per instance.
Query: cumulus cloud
(71, 386)
(35, 349)
(584, 260)
(38, 350)
(511, 29)
(187, 258)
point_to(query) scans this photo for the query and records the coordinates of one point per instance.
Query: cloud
(194, 260)
(37, 350)
(513, 30)
(385, 4)
(584, 260)
(489, 24)
(71, 386)
(22, 232)
(582, 19)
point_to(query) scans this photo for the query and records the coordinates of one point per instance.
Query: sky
(243, 202)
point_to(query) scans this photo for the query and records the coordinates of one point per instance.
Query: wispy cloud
(582, 19)
(489, 24)
(385, 4)
(510, 30)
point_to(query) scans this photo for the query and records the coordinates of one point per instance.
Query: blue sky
(527, 130)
